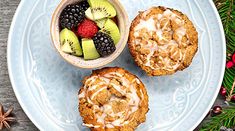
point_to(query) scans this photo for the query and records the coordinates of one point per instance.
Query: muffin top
(112, 98)
(162, 41)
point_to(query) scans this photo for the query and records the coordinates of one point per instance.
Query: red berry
(233, 58)
(223, 91)
(216, 110)
(233, 98)
(229, 64)
(87, 29)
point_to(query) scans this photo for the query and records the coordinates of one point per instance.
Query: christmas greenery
(226, 9)
(226, 118)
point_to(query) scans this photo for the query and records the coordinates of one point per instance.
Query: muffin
(112, 99)
(162, 41)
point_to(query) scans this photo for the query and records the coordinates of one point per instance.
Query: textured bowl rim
(103, 61)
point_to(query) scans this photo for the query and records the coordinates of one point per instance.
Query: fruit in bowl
(87, 29)
(89, 33)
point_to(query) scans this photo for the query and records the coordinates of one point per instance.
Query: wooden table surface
(7, 96)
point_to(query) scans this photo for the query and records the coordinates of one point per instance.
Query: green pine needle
(226, 9)
(227, 119)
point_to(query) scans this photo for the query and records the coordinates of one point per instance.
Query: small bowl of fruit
(89, 33)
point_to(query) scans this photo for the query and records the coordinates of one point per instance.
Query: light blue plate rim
(222, 70)
(38, 124)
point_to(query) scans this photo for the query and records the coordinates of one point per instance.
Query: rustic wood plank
(7, 96)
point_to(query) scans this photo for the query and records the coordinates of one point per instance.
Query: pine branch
(226, 9)
(226, 118)
(231, 92)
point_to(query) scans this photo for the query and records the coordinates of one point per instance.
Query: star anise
(4, 117)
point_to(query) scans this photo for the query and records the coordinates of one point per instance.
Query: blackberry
(104, 44)
(84, 4)
(73, 14)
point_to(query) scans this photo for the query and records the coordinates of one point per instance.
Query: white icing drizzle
(91, 80)
(159, 16)
(132, 99)
(152, 47)
(118, 88)
(91, 125)
(175, 53)
(142, 94)
(109, 126)
(136, 80)
(98, 91)
(95, 86)
(181, 32)
(101, 118)
(113, 74)
(81, 95)
(153, 25)
(149, 25)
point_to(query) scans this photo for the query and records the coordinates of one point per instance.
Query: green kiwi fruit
(69, 43)
(89, 14)
(102, 9)
(100, 23)
(89, 50)
(111, 29)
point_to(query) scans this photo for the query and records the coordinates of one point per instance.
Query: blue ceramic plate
(46, 86)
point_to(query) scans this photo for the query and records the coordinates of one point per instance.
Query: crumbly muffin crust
(162, 41)
(112, 99)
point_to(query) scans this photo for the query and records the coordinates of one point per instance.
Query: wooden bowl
(123, 24)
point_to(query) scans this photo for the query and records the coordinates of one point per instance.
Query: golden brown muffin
(112, 99)
(162, 41)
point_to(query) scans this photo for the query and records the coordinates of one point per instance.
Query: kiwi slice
(100, 23)
(89, 50)
(89, 14)
(111, 29)
(102, 9)
(69, 43)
